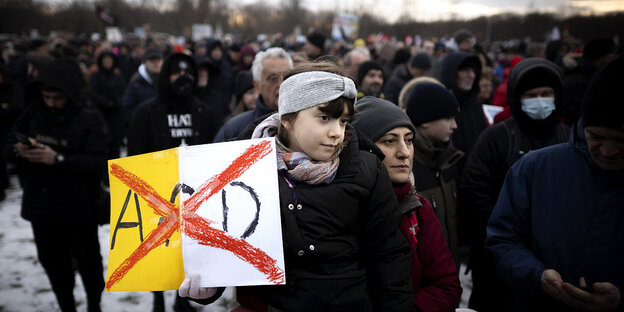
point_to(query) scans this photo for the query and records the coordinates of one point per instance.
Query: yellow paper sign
(145, 250)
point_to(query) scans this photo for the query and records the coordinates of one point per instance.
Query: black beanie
(602, 105)
(420, 60)
(317, 40)
(375, 117)
(536, 78)
(597, 48)
(462, 34)
(430, 101)
(366, 67)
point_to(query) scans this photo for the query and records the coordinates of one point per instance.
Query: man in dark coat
(596, 54)
(461, 73)
(106, 88)
(173, 118)
(533, 126)
(61, 154)
(370, 78)
(142, 86)
(11, 105)
(267, 70)
(556, 230)
(418, 66)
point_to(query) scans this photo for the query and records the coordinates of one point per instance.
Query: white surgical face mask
(538, 108)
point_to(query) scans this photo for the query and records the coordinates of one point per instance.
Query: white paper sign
(232, 232)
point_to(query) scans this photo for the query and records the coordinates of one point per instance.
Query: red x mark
(197, 227)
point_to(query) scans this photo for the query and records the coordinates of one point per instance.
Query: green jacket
(434, 178)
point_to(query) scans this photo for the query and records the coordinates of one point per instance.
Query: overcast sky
(427, 10)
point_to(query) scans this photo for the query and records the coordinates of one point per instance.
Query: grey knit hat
(375, 117)
(305, 90)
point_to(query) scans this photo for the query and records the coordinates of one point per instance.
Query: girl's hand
(190, 288)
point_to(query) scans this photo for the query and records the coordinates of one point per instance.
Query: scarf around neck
(299, 165)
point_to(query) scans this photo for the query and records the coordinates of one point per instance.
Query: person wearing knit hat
(596, 54)
(418, 65)
(464, 39)
(370, 77)
(432, 109)
(534, 94)
(315, 45)
(393, 133)
(567, 197)
(335, 201)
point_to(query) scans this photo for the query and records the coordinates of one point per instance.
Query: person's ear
(287, 124)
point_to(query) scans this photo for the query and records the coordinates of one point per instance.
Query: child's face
(315, 133)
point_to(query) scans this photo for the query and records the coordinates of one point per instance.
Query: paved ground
(24, 286)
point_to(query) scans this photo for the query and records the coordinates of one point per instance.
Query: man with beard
(60, 149)
(171, 119)
(371, 79)
(535, 96)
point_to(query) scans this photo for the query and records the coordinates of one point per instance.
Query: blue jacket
(233, 127)
(558, 210)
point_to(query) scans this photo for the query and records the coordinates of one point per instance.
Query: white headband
(309, 89)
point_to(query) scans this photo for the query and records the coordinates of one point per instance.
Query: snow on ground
(24, 287)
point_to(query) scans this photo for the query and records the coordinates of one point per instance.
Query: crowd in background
(121, 99)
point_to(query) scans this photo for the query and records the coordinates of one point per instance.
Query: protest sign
(224, 199)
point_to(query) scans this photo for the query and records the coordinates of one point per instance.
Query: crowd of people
(385, 149)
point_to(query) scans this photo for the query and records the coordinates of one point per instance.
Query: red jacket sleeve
(434, 276)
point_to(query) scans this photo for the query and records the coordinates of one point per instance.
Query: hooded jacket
(141, 88)
(470, 119)
(63, 192)
(106, 89)
(213, 93)
(496, 150)
(558, 210)
(152, 128)
(435, 178)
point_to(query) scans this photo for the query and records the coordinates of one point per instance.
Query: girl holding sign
(434, 276)
(340, 217)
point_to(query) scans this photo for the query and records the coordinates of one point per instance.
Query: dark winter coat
(575, 84)
(470, 119)
(400, 76)
(342, 247)
(106, 88)
(435, 178)
(214, 94)
(558, 210)
(496, 150)
(149, 130)
(139, 90)
(434, 276)
(233, 127)
(65, 192)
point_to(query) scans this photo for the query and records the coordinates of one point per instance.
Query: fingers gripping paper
(229, 217)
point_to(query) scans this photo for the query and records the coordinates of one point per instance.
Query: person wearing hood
(106, 89)
(245, 58)
(142, 85)
(267, 70)
(534, 94)
(460, 74)
(209, 89)
(432, 110)
(225, 77)
(556, 230)
(173, 118)
(60, 147)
